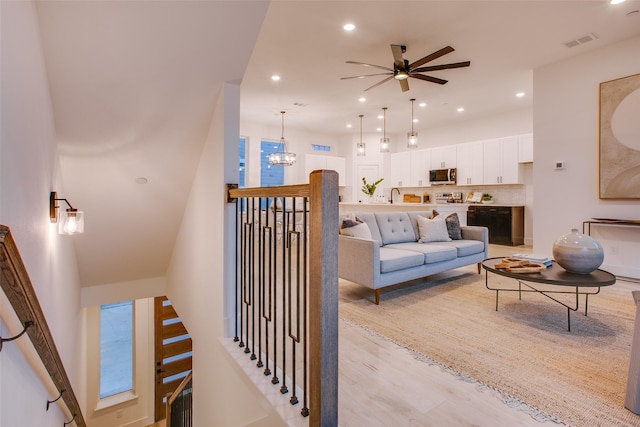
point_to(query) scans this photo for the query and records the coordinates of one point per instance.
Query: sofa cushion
(433, 230)
(360, 230)
(395, 227)
(397, 259)
(432, 252)
(467, 247)
(413, 216)
(370, 220)
(453, 225)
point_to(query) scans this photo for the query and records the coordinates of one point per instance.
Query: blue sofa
(394, 255)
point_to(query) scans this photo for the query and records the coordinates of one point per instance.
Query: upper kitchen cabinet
(470, 169)
(400, 169)
(525, 148)
(444, 157)
(318, 162)
(410, 168)
(420, 165)
(501, 161)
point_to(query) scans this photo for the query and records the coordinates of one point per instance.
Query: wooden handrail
(17, 286)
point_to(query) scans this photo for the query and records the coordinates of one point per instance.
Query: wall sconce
(70, 221)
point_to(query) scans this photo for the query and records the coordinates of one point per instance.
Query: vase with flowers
(370, 189)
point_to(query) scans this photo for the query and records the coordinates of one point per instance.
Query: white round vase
(578, 253)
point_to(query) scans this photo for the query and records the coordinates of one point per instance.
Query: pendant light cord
(412, 114)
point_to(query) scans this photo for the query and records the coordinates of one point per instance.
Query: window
(243, 162)
(270, 175)
(116, 348)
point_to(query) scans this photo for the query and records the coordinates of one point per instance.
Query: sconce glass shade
(71, 221)
(384, 145)
(412, 139)
(361, 149)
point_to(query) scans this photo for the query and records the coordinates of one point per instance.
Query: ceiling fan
(402, 70)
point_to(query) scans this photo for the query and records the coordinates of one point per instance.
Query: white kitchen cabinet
(409, 169)
(525, 148)
(400, 170)
(318, 162)
(420, 164)
(501, 161)
(470, 166)
(444, 157)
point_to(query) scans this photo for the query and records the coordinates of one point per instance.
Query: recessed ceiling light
(380, 116)
(275, 77)
(460, 109)
(615, 1)
(378, 129)
(349, 27)
(423, 104)
(520, 94)
(362, 99)
(416, 120)
(349, 125)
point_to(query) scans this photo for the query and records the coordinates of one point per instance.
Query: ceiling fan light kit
(384, 141)
(283, 157)
(360, 147)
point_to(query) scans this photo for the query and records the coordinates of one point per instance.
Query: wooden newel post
(323, 299)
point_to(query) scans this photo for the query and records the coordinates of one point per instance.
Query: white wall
(28, 172)
(196, 279)
(566, 120)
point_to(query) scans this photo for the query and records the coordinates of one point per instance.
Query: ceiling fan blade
(370, 65)
(434, 55)
(404, 85)
(379, 83)
(365, 75)
(441, 67)
(398, 60)
(428, 78)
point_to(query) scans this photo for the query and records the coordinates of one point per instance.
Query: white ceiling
(133, 85)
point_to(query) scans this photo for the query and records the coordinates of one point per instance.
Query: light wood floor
(382, 384)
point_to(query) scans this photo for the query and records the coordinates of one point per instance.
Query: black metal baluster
(267, 289)
(260, 290)
(283, 388)
(291, 234)
(305, 284)
(274, 212)
(239, 202)
(252, 279)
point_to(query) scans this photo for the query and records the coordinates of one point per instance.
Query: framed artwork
(620, 138)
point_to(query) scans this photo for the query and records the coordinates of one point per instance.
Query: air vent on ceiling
(581, 40)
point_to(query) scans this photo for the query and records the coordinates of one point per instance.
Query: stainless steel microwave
(442, 176)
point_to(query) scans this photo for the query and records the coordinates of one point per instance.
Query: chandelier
(282, 157)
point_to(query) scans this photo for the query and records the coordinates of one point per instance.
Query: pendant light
(283, 157)
(412, 137)
(384, 141)
(360, 147)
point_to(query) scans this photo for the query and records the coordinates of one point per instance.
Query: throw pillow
(360, 231)
(433, 230)
(453, 226)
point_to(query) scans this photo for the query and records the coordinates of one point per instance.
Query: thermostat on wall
(560, 165)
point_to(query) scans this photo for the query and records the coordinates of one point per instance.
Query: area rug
(522, 350)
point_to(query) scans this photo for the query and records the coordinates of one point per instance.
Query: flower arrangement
(370, 189)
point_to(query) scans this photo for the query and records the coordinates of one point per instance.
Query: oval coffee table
(584, 284)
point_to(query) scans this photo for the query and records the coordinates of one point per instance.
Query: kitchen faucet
(397, 189)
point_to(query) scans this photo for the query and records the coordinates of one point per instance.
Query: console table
(554, 275)
(586, 225)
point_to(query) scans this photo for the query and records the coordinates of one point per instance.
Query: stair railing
(286, 302)
(19, 290)
(180, 404)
